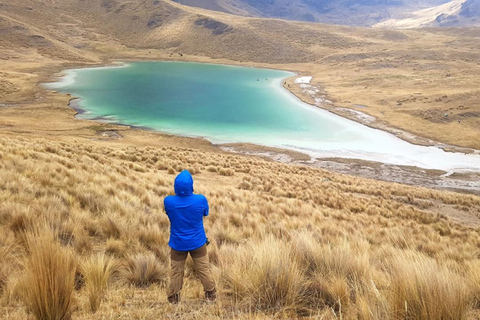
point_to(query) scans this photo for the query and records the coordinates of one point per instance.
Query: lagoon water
(226, 104)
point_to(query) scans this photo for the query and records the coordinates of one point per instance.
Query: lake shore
(328, 136)
(369, 169)
(310, 94)
(436, 179)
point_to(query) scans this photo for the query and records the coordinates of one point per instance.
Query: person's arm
(165, 205)
(206, 208)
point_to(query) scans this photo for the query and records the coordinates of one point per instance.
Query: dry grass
(421, 289)
(287, 241)
(143, 270)
(264, 277)
(47, 289)
(97, 270)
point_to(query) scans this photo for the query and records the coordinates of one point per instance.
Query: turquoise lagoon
(227, 104)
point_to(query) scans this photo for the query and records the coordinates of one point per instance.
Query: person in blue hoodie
(186, 210)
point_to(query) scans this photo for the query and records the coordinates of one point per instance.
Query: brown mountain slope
(147, 24)
(405, 79)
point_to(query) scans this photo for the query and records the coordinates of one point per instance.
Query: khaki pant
(202, 266)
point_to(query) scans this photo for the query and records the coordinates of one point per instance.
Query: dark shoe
(174, 299)
(211, 295)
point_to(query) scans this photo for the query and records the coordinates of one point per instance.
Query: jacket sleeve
(165, 205)
(206, 208)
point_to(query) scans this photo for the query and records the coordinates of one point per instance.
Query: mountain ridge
(352, 12)
(455, 13)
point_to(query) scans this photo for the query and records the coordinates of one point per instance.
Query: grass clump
(424, 290)
(97, 271)
(143, 270)
(49, 279)
(265, 277)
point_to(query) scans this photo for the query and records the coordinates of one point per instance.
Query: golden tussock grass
(48, 285)
(97, 270)
(143, 270)
(423, 289)
(288, 241)
(264, 277)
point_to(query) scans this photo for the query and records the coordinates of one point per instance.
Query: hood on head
(184, 183)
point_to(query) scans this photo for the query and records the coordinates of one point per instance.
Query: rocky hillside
(385, 13)
(470, 9)
(456, 13)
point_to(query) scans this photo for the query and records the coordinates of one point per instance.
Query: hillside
(405, 80)
(470, 9)
(317, 243)
(455, 13)
(391, 13)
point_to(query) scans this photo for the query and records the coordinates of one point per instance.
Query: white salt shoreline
(303, 80)
(426, 157)
(67, 77)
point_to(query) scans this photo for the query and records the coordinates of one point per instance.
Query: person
(186, 211)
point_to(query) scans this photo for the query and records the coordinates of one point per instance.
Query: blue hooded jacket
(185, 211)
